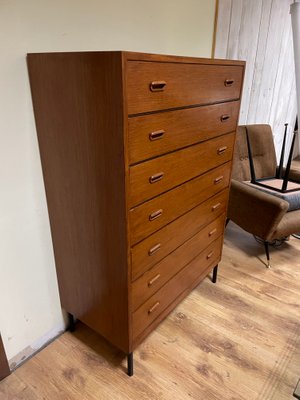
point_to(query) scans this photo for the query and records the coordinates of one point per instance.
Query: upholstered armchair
(258, 212)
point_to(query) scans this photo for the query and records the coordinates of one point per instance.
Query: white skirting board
(35, 347)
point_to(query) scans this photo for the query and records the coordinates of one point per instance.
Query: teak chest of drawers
(136, 152)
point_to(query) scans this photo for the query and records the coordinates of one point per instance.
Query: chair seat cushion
(293, 198)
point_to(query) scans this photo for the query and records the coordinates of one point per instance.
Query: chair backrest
(263, 152)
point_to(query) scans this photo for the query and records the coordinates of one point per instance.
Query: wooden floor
(238, 339)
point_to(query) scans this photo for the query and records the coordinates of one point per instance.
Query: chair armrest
(294, 175)
(255, 211)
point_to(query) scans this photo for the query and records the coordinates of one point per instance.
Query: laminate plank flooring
(238, 339)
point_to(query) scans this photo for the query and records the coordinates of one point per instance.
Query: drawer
(153, 86)
(152, 280)
(154, 214)
(151, 250)
(181, 282)
(155, 134)
(150, 178)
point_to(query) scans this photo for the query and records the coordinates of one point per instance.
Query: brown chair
(256, 211)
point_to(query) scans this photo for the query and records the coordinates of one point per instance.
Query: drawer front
(156, 134)
(150, 178)
(152, 280)
(151, 309)
(151, 250)
(154, 214)
(153, 86)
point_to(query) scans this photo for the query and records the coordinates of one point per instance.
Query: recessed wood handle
(222, 150)
(209, 255)
(229, 82)
(212, 232)
(156, 135)
(224, 117)
(153, 280)
(216, 206)
(154, 249)
(218, 179)
(153, 308)
(157, 86)
(155, 214)
(156, 177)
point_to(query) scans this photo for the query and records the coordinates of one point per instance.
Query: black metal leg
(215, 274)
(130, 364)
(71, 323)
(266, 243)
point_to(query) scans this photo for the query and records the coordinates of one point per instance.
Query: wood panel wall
(260, 32)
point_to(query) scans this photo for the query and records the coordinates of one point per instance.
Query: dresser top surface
(138, 56)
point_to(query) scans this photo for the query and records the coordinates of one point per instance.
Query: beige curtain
(295, 14)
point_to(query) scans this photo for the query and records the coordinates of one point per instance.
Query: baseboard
(35, 347)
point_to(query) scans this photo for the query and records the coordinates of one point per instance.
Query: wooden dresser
(136, 153)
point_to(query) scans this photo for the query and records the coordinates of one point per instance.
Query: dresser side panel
(4, 367)
(78, 105)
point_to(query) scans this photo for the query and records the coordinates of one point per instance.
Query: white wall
(29, 304)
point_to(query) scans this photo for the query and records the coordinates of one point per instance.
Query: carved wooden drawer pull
(153, 308)
(156, 135)
(218, 179)
(212, 232)
(154, 249)
(157, 177)
(155, 214)
(153, 280)
(225, 117)
(209, 255)
(229, 82)
(222, 150)
(157, 86)
(216, 206)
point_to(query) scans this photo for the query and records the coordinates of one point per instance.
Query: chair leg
(266, 243)
(215, 274)
(130, 364)
(71, 326)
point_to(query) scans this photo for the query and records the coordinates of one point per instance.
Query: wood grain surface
(175, 129)
(185, 85)
(178, 167)
(154, 278)
(176, 202)
(237, 340)
(4, 368)
(84, 103)
(175, 233)
(180, 282)
(82, 154)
